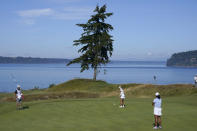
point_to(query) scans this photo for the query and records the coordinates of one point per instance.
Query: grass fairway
(99, 114)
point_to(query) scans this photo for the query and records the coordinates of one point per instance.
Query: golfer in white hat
(19, 96)
(157, 111)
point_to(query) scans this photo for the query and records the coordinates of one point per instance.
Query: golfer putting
(122, 97)
(157, 111)
(19, 97)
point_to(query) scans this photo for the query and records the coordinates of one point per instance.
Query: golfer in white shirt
(195, 80)
(157, 110)
(122, 97)
(19, 96)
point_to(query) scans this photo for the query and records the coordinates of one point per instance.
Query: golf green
(101, 114)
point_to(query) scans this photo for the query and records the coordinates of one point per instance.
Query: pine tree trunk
(95, 73)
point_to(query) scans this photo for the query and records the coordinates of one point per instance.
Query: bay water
(30, 76)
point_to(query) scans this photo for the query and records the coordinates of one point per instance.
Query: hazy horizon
(123, 60)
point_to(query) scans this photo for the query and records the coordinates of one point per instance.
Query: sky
(143, 29)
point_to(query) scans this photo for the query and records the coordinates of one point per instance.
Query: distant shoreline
(38, 60)
(31, 60)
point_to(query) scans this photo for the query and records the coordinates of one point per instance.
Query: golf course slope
(94, 106)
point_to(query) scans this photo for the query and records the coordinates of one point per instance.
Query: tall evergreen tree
(96, 42)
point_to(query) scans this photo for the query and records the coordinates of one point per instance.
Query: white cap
(157, 94)
(18, 86)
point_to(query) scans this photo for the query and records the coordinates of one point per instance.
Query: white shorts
(157, 111)
(122, 97)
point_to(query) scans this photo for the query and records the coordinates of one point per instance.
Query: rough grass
(100, 114)
(164, 90)
(84, 85)
(86, 88)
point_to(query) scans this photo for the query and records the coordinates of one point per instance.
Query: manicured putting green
(103, 114)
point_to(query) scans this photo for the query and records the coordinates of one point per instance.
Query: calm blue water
(42, 75)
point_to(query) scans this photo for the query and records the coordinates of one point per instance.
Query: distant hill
(183, 59)
(30, 60)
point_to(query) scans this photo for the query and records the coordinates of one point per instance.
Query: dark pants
(18, 100)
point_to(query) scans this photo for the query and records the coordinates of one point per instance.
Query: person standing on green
(195, 80)
(122, 97)
(19, 96)
(157, 110)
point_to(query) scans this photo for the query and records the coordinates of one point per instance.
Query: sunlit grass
(100, 114)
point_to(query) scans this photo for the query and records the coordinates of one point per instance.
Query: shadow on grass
(25, 107)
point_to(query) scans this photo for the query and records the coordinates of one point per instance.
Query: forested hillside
(183, 59)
